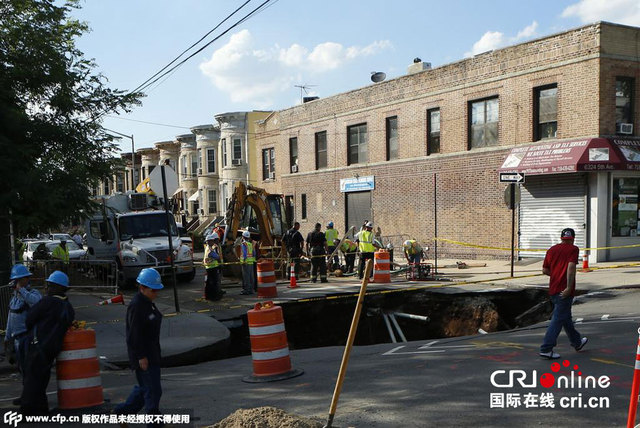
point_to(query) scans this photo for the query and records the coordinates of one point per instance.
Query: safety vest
(61, 254)
(331, 235)
(213, 262)
(415, 248)
(365, 238)
(250, 257)
(348, 246)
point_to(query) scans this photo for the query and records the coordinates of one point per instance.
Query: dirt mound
(265, 417)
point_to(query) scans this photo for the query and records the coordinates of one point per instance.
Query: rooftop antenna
(304, 88)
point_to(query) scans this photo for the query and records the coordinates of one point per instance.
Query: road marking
(599, 360)
(428, 344)
(393, 350)
(605, 317)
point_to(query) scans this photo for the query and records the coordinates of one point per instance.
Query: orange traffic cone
(292, 274)
(585, 263)
(116, 299)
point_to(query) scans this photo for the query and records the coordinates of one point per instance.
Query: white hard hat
(407, 243)
(246, 234)
(369, 224)
(212, 236)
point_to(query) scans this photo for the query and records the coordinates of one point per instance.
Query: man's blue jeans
(560, 319)
(146, 394)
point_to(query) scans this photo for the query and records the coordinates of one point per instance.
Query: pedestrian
(413, 252)
(294, 243)
(332, 241)
(560, 265)
(364, 239)
(47, 323)
(77, 239)
(24, 298)
(247, 259)
(212, 263)
(61, 254)
(317, 250)
(349, 249)
(143, 347)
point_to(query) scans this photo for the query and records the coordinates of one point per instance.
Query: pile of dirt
(265, 417)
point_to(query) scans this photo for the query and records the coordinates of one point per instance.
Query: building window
(293, 154)
(392, 137)
(224, 152)
(624, 105)
(546, 112)
(106, 187)
(268, 163)
(624, 206)
(194, 165)
(151, 168)
(211, 161)
(195, 206)
(483, 123)
(357, 143)
(321, 150)
(119, 183)
(237, 148)
(303, 203)
(433, 131)
(213, 201)
(184, 167)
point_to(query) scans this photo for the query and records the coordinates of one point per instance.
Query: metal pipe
(386, 321)
(412, 316)
(395, 323)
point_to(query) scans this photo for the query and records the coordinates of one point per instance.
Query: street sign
(512, 177)
(155, 180)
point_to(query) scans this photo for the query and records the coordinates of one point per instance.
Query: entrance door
(358, 209)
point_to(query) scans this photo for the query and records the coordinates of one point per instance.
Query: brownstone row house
(420, 154)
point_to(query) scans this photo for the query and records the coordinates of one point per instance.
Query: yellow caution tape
(467, 244)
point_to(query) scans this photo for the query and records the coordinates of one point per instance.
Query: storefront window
(624, 206)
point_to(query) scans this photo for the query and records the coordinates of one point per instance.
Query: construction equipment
(420, 272)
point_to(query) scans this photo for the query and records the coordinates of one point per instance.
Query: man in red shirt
(560, 264)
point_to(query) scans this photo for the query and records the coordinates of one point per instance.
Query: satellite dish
(378, 76)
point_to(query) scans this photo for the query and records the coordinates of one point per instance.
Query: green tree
(51, 103)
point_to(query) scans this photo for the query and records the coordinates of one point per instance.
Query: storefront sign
(358, 184)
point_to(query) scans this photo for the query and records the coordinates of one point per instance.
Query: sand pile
(265, 417)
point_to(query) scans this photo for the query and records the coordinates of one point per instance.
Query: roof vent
(307, 99)
(418, 66)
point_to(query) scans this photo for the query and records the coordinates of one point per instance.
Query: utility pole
(133, 155)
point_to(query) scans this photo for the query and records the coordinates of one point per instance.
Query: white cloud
(256, 76)
(620, 11)
(494, 40)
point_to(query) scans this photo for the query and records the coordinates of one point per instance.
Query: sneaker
(550, 355)
(581, 345)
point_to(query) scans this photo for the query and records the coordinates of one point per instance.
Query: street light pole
(133, 155)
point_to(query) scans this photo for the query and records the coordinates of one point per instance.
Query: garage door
(550, 203)
(358, 209)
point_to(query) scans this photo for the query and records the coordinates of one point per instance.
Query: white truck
(132, 230)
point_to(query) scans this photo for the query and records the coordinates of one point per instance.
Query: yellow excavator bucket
(144, 187)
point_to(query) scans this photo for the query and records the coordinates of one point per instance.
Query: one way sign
(512, 177)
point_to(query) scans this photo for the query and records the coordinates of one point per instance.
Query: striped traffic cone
(292, 275)
(635, 389)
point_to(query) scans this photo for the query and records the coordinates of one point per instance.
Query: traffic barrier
(292, 275)
(113, 300)
(269, 347)
(381, 273)
(266, 279)
(635, 389)
(585, 263)
(78, 371)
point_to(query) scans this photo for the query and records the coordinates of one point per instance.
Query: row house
(420, 155)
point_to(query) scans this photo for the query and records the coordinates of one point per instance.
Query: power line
(245, 18)
(150, 123)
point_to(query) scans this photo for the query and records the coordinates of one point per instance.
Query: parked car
(75, 252)
(60, 237)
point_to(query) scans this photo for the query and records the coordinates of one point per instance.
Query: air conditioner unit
(272, 175)
(294, 168)
(236, 162)
(625, 128)
(199, 171)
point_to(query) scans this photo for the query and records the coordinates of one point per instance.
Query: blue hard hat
(150, 277)
(59, 278)
(330, 224)
(19, 271)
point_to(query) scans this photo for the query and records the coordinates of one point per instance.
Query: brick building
(419, 155)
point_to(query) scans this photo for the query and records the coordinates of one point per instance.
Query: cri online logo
(509, 378)
(12, 418)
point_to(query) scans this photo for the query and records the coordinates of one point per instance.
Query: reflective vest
(331, 235)
(213, 262)
(365, 238)
(415, 248)
(248, 257)
(348, 246)
(61, 254)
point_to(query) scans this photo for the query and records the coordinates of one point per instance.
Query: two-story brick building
(419, 155)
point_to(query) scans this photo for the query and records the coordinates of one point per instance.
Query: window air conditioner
(625, 128)
(236, 162)
(272, 175)
(294, 168)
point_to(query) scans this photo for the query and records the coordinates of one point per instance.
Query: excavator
(266, 216)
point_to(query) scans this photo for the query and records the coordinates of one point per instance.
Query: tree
(53, 146)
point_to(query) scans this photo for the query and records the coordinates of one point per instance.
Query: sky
(327, 46)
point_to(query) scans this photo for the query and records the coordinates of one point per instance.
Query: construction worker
(247, 259)
(24, 297)
(317, 250)
(61, 254)
(366, 245)
(413, 252)
(212, 263)
(47, 323)
(331, 235)
(143, 346)
(294, 243)
(349, 249)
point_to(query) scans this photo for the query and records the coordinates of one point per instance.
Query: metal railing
(81, 273)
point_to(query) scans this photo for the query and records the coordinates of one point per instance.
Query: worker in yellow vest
(331, 235)
(367, 247)
(248, 259)
(212, 263)
(61, 254)
(349, 249)
(413, 252)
